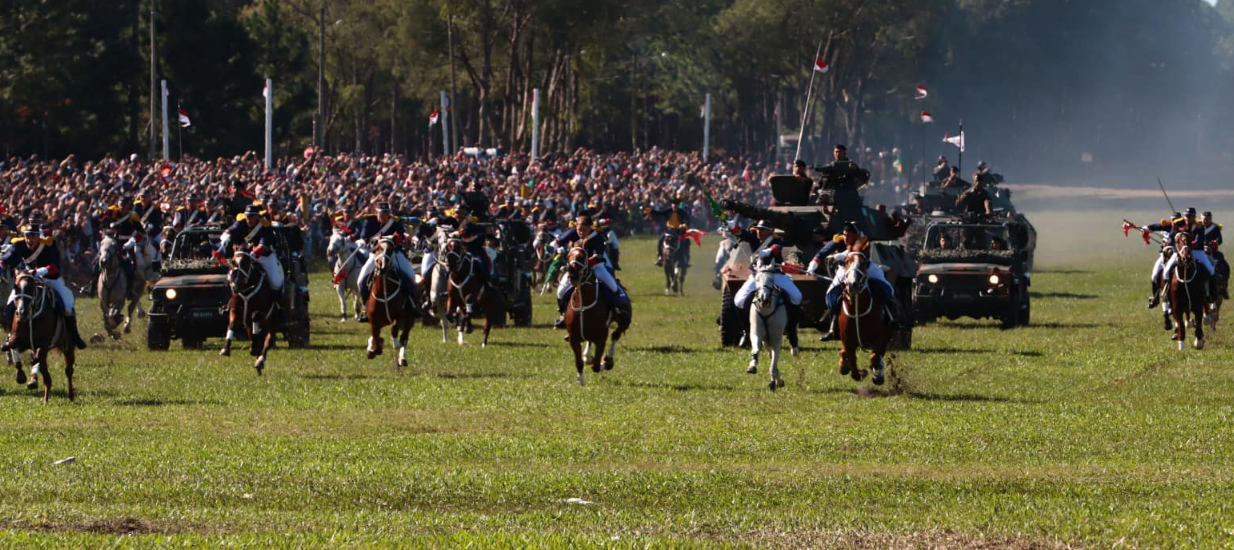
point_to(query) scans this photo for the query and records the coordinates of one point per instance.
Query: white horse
(345, 267)
(768, 318)
(436, 282)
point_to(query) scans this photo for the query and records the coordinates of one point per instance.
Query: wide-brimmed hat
(762, 224)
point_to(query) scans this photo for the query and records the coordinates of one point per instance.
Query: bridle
(240, 279)
(26, 299)
(856, 282)
(580, 274)
(455, 258)
(382, 263)
(767, 291)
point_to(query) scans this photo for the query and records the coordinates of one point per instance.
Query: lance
(1144, 232)
(1167, 196)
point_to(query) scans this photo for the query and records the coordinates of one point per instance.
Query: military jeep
(189, 301)
(972, 270)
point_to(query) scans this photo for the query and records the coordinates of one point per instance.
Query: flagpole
(445, 120)
(960, 162)
(180, 132)
(269, 122)
(166, 150)
(809, 90)
(535, 123)
(706, 127)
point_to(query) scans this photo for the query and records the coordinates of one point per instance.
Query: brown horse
(466, 290)
(1186, 294)
(861, 321)
(588, 316)
(37, 327)
(673, 254)
(253, 306)
(389, 303)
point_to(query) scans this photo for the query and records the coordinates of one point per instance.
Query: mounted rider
(676, 221)
(467, 229)
(583, 235)
(253, 229)
(603, 226)
(768, 250)
(39, 254)
(880, 289)
(385, 225)
(1194, 234)
(730, 237)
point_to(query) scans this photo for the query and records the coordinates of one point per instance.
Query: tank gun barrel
(778, 219)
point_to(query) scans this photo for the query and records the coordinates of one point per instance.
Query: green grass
(1086, 429)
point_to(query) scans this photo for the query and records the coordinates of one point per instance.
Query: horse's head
(454, 254)
(109, 254)
(767, 295)
(245, 275)
(578, 267)
(28, 293)
(382, 256)
(338, 243)
(855, 268)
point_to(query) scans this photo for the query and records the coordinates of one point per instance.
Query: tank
(799, 206)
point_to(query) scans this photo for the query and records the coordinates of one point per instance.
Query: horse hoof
(96, 338)
(259, 365)
(752, 369)
(1199, 344)
(402, 362)
(225, 352)
(33, 384)
(844, 370)
(343, 319)
(580, 379)
(796, 352)
(779, 382)
(878, 380)
(370, 355)
(607, 363)
(128, 330)
(772, 386)
(1180, 345)
(858, 374)
(21, 377)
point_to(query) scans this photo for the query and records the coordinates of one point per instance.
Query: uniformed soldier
(475, 199)
(583, 235)
(768, 250)
(150, 211)
(1210, 231)
(240, 198)
(192, 214)
(384, 224)
(843, 178)
(954, 181)
(676, 222)
(941, 170)
(1191, 229)
(975, 200)
(123, 220)
(468, 230)
(39, 253)
(882, 290)
(253, 229)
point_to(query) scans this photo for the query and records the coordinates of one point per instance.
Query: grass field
(1087, 429)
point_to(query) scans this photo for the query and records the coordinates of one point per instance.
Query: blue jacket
(261, 235)
(20, 255)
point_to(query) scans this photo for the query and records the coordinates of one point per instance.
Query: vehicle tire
(158, 334)
(903, 340)
(1011, 318)
(731, 326)
(522, 313)
(1026, 311)
(298, 331)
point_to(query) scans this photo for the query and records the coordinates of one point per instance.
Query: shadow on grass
(675, 348)
(1064, 271)
(995, 326)
(162, 402)
(336, 376)
(1063, 295)
(964, 397)
(1027, 353)
(691, 386)
(474, 375)
(948, 350)
(502, 344)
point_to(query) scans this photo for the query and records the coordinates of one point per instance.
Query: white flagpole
(535, 123)
(809, 90)
(166, 147)
(706, 127)
(269, 123)
(445, 127)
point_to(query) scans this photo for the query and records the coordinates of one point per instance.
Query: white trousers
(874, 273)
(400, 261)
(781, 280)
(57, 285)
(274, 270)
(1200, 257)
(601, 273)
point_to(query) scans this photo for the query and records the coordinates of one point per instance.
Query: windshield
(195, 245)
(967, 237)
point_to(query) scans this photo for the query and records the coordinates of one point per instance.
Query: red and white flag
(265, 91)
(184, 118)
(958, 141)
(433, 117)
(696, 234)
(820, 66)
(926, 118)
(921, 92)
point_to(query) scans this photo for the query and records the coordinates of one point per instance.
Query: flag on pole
(702, 111)
(434, 117)
(184, 118)
(958, 141)
(921, 92)
(265, 91)
(696, 234)
(926, 118)
(820, 66)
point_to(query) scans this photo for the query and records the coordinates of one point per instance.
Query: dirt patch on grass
(915, 540)
(125, 526)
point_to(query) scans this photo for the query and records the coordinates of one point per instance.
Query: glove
(1146, 234)
(41, 272)
(259, 251)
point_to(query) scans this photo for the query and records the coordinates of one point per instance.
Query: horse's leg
(267, 342)
(681, 279)
(231, 327)
(775, 340)
(402, 339)
(15, 359)
(489, 314)
(128, 319)
(374, 337)
(41, 356)
(610, 358)
(1180, 327)
(341, 290)
(70, 357)
(757, 330)
(601, 339)
(1198, 314)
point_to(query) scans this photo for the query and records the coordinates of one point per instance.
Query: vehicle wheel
(522, 313)
(903, 340)
(731, 326)
(1011, 318)
(499, 320)
(158, 334)
(1026, 311)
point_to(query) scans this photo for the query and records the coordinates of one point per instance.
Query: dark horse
(253, 306)
(674, 254)
(466, 289)
(389, 302)
(861, 323)
(1186, 294)
(37, 327)
(588, 316)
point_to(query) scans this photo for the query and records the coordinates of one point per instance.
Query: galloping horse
(544, 254)
(253, 306)
(588, 316)
(389, 303)
(861, 323)
(466, 291)
(768, 318)
(114, 288)
(345, 270)
(1186, 294)
(674, 256)
(37, 327)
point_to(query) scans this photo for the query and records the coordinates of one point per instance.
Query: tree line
(1076, 85)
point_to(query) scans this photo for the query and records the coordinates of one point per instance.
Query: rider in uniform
(240, 198)
(37, 253)
(767, 250)
(677, 220)
(881, 290)
(253, 229)
(583, 235)
(386, 225)
(191, 215)
(1188, 226)
(730, 237)
(468, 230)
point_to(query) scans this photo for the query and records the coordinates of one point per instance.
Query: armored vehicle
(190, 301)
(799, 209)
(969, 270)
(513, 267)
(932, 203)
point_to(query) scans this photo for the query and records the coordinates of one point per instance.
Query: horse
(436, 281)
(37, 327)
(768, 319)
(588, 317)
(1186, 295)
(113, 287)
(544, 253)
(1213, 314)
(345, 270)
(673, 252)
(253, 306)
(861, 324)
(465, 291)
(388, 303)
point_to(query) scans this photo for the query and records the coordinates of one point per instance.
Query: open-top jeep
(971, 270)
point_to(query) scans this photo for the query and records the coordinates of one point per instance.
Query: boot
(833, 329)
(790, 330)
(659, 261)
(1155, 298)
(892, 312)
(70, 322)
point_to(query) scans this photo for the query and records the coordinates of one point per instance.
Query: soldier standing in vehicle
(975, 200)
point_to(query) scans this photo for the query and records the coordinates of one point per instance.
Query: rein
(244, 272)
(382, 261)
(855, 298)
